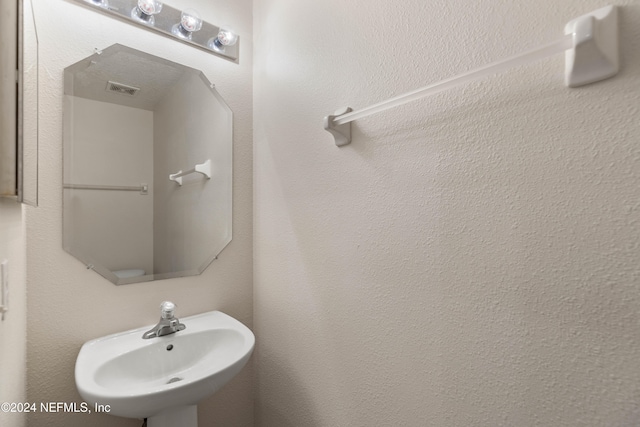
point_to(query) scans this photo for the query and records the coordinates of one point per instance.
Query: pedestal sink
(163, 378)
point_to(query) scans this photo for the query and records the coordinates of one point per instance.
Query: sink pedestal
(184, 416)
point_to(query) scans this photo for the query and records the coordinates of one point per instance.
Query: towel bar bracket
(594, 55)
(341, 133)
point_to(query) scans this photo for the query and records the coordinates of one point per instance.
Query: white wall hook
(594, 55)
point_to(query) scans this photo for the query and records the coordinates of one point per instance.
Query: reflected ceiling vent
(122, 88)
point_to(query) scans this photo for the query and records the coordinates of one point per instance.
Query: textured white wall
(69, 304)
(13, 330)
(470, 259)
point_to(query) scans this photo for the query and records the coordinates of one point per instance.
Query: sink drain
(174, 380)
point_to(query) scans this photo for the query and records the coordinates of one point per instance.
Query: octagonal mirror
(147, 167)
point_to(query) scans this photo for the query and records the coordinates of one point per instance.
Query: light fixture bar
(164, 23)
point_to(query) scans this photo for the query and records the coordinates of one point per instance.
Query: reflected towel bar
(142, 188)
(590, 42)
(203, 168)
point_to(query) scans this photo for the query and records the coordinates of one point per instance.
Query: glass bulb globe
(189, 22)
(149, 7)
(226, 37)
(145, 10)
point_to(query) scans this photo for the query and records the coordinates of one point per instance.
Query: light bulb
(189, 22)
(226, 37)
(150, 7)
(145, 10)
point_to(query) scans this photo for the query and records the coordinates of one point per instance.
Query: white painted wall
(69, 304)
(470, 259)
(13, 329)
(109, 145)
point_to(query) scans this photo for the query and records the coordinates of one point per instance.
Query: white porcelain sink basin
(162, 376)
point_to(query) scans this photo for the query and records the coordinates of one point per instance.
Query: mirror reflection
(147, 167)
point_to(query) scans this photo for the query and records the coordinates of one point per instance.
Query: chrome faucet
(168, 324)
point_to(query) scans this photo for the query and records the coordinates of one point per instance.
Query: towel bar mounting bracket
(341, 133)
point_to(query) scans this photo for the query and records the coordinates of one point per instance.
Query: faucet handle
(167, 308)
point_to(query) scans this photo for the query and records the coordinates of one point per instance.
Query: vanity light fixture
(190, 22)
(184, 25)
(144, 11)
(226, 37)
